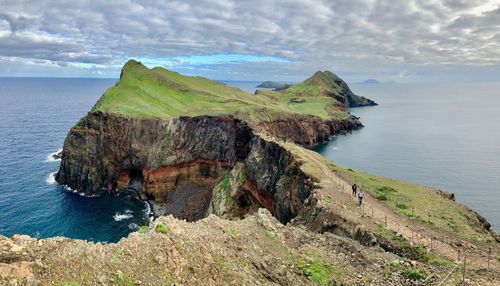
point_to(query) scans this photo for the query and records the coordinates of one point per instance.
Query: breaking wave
(50, 157)
(122, 216)
(51, 178)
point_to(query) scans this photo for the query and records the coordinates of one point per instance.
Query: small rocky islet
(240, 200)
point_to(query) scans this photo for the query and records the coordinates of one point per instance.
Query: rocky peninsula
(241, 201)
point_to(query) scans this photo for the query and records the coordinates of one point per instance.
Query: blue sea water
(35, 116)
(443, 136)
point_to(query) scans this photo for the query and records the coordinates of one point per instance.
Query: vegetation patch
(384, 193)
(414, 274)
(438, 261)
(68, 284)
(143, 229)
(162, 228)
(222, 193)
(402, 206)
(391, 242)
(318, 272)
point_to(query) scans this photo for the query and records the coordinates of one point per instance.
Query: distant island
(273, 85)
(370, 81)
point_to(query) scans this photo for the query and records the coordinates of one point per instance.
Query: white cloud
(353, 36)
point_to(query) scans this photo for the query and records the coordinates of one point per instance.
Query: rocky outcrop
(332, 85)
(309, 131)
(178, 163)
(273, 85)
(257, 250)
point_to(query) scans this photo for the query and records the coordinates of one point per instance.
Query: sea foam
(50, 157)
(51, 178)
(122, 216)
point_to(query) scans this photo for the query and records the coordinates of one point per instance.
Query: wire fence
(429, 241)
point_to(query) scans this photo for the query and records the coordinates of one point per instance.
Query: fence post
(385, 218)
(465, 261)
(458, 254)
(489, 255)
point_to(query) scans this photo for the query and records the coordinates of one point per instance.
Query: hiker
(354, 188)
(360, 198)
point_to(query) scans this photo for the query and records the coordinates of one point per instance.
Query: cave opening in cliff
(136, 180)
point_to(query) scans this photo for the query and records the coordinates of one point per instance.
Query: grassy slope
(420, 203)
(160, 93)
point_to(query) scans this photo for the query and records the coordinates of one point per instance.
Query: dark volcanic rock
(309, 131)
(180, 160)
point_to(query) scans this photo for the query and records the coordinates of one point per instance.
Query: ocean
(35, 116)
(444, 136)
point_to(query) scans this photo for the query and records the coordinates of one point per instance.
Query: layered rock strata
(178, 163)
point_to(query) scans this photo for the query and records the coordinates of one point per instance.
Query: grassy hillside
(323, 84)
(160, 93)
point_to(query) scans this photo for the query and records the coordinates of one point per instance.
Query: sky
(286, 40)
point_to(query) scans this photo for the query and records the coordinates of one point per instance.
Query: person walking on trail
(360, 198)
(354, 188)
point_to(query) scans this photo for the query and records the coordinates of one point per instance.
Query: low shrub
(143, 229)
(414, 274)
(402, 206)
(162, 228)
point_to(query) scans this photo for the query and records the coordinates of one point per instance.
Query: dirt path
(333, 184)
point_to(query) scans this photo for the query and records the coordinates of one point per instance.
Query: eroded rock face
(180, 163)
(309, 131)
(103, 146)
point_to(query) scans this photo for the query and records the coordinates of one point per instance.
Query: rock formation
(193, 165)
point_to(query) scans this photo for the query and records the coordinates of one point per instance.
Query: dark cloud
(354, 36)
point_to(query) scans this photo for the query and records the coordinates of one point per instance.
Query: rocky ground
(257, 250)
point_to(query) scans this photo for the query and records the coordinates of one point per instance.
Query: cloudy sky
(403, 41)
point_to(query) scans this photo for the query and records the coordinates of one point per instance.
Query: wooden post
(458, 254)
(465, 261)
(372, 213)
(489, 255)
(385, 218)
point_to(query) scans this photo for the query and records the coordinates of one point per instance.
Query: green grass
(414, 274)
(319, 273)
(159, 93)
(143, 229)
(162, 228)
(222, 192)
(390, 241)
(420, 203)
